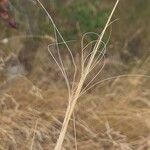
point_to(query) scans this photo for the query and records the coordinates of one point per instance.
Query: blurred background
(129, 42)
(119, 109)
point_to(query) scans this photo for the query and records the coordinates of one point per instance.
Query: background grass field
(114, 115)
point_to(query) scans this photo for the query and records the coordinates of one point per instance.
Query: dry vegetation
(113, 115)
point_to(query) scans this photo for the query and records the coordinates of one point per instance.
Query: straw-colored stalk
(75, 92)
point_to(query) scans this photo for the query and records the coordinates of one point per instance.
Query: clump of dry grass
(106, 121)
(75, 91)
(89, 61)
